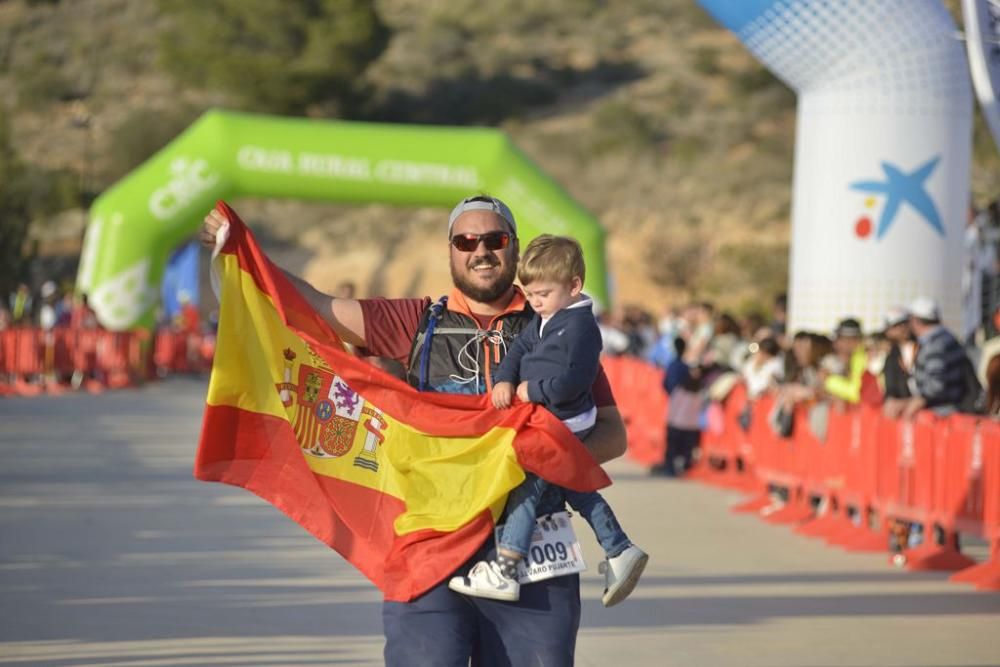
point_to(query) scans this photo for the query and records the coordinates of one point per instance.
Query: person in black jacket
(553, 362)
(897, 370)
(943, 378)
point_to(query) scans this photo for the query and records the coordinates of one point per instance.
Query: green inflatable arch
(135, 224)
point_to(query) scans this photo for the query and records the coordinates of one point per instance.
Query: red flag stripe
(259, 452)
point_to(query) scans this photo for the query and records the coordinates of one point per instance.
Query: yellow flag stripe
(445, 482)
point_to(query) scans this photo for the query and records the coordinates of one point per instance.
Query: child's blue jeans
(521, 511)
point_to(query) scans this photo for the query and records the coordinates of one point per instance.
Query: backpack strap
(420, 352)
(423, 342)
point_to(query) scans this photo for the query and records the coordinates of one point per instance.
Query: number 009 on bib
(554, 550)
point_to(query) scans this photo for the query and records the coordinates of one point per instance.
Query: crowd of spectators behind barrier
(51, 308)
(907, 363)
(896, 365)
(910, 362)
(47, 309)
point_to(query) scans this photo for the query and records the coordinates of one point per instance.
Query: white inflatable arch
(882, 153)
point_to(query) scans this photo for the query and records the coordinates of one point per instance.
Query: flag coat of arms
(405, 485)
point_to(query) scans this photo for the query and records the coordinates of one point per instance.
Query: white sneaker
(621, 574)
(485, 580)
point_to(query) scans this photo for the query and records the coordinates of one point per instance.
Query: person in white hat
(47, 313)
(940, 373)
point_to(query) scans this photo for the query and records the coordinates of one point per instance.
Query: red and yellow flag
(405, 485)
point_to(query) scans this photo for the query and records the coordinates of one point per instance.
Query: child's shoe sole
(624, 588)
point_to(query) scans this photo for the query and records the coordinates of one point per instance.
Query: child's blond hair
(552, 258)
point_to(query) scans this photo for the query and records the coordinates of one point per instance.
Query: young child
(683, 386)
(554, 362)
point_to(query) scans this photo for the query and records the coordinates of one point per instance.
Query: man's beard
(485, 294)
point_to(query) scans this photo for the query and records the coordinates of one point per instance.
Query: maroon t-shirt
(391, 324)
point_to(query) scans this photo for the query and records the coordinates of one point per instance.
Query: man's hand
(502, 394)
(209, 227)
(344, 315)
(522, 392)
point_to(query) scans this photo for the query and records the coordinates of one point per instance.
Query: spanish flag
(405, 485)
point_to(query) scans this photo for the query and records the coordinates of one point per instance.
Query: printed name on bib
(554, 550)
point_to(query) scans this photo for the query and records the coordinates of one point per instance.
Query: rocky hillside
(649, 114)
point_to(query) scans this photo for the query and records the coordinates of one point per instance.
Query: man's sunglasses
(469, 242)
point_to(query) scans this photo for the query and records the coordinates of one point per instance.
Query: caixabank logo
(899, 189)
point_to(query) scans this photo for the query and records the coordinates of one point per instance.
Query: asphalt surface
(112, 554)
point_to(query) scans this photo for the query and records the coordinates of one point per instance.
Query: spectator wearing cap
(848, 348)
(898, 367)
(939, 371)
(47, 313)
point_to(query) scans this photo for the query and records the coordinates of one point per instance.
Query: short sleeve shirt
(391, 325)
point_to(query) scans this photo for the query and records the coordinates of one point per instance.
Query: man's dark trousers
(443, 628)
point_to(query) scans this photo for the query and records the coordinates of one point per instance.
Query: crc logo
(189, 179)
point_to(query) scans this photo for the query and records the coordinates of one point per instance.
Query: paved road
(111, 554)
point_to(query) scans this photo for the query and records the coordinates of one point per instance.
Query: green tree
(26, 193)
(138, 136)
(284, 56)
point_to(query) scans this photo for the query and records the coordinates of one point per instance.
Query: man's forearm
(344, 315)
(608, 440)
(320, 302)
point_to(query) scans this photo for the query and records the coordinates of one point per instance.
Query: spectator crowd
(906, 363)
(48, 309)
(51, 339)
(910, 362)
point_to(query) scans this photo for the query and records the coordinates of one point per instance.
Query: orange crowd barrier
(854, 486)
(982, 470)
(643, 406)
(726, 453)
(33, 361)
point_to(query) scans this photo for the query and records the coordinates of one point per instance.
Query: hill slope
(649, 114)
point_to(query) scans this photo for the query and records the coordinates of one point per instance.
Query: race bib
(554, 550)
